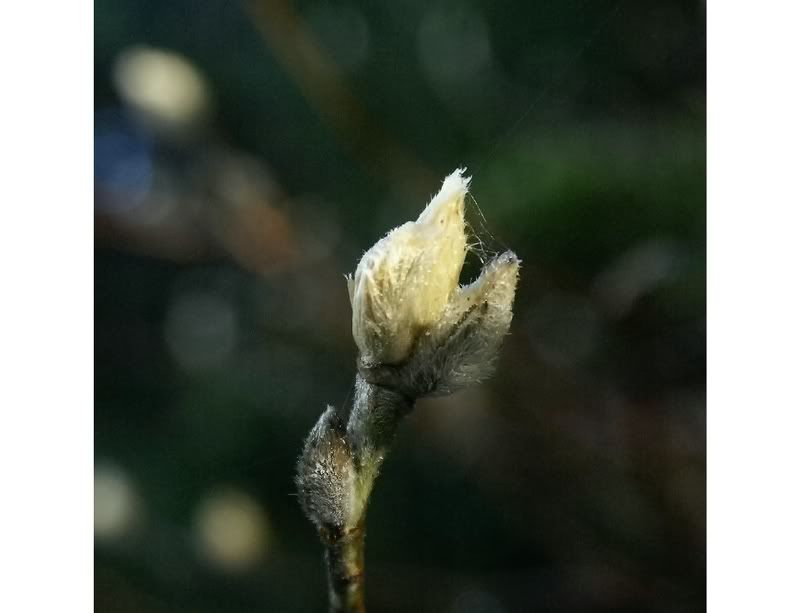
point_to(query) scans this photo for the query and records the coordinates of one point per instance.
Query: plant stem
(373, 421)
(344, 557)
(374, 418)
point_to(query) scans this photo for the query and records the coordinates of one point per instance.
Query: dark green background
(574, 480)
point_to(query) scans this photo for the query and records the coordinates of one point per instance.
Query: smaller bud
(326, 475)
(472, 329)
(404, 282)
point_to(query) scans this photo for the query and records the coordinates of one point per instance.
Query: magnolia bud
(418, 333)
(417, 330)
(404, 282)
(326, 475)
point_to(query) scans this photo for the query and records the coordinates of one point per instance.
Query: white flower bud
(403, 284)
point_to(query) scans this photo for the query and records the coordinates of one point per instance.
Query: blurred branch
(320, 80)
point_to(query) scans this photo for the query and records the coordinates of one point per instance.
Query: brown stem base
(344, 557)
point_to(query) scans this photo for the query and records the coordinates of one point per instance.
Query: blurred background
(247, 153)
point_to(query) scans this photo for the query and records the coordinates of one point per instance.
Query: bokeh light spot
(123, 167)
(231, 529)
(453, 43)
(201, 330)
(563, 329)
(115, 503)
(164, 88)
